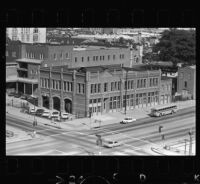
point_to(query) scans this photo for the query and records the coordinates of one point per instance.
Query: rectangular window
(132, 84)
(105, 87)
(95, 88)
(99, 88)
(111, 86)
(91, 88)
(113, 57)
(100, 58)
(108, 57)
(88, 58)
(103, 57)
(54, 56)
(119, 85)
(83, 88)
(75, 59)
(93, 58)
(138, 83)
(82, 59)
(65, 86)
(144, 83)
(185, 84)
(53, 82)
(96, 58)
(66, 55)
(61, 55)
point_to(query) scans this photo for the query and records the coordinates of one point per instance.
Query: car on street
(64, 115)
(32, 110)
(55, 114)
(39, 112)
(11, 94)
(17, 95)
(128, 120)
(24, 97)
(46, 114)
(110, 143)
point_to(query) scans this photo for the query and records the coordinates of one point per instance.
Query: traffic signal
(35, 123)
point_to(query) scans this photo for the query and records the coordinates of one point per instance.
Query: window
(93, 58)
(91, 88)
(61, 55)
(82, 59)
(119, 85)
(54, 56)
(138, 83)
(88, 58)
(132, 84)
(99, 88)
(144, 83)
(185, 84)
(100, 58)
(66, 55)
(96, 58)
(108, 57)
(113, 57)
(105, 87)
(103, 57)
(75, 59)
(95, 88)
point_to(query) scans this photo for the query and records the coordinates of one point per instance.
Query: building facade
(186, 82)
(96, 55)
(98, 90)
(27, 35)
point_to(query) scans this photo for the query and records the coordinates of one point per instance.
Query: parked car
(55, 114)
(46, 114)
(110, 143)
(39, 112)
(32, 110)
(128, 120)
(64, 115)
(24, 97)
(17, 95)
(11, 94)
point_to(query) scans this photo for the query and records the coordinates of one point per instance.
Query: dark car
(24, 97)
(17, 95)
(39, 112)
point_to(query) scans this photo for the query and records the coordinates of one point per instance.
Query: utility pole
(126, 89)
(190, 148)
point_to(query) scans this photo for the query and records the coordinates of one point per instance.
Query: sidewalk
(88, 123)
(18, 135)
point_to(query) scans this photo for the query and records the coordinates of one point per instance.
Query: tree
(177, 46)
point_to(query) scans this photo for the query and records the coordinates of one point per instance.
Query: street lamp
(190, 148)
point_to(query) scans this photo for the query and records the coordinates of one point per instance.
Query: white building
(27, 35)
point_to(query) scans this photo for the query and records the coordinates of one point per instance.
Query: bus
(161, 111)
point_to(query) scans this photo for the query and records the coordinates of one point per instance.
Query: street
(137, 138)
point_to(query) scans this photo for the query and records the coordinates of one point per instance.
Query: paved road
(136, 138)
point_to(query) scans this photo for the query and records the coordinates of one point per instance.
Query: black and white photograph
(100, 91)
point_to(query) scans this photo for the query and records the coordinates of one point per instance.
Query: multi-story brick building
(98, 89)
(165, 90)
(86, 56)
(186, 81)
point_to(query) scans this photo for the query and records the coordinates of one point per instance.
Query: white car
(55, 114)
(46, 114)
(111, 144)
(32, 110)
(128, 120)
(64, 115)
